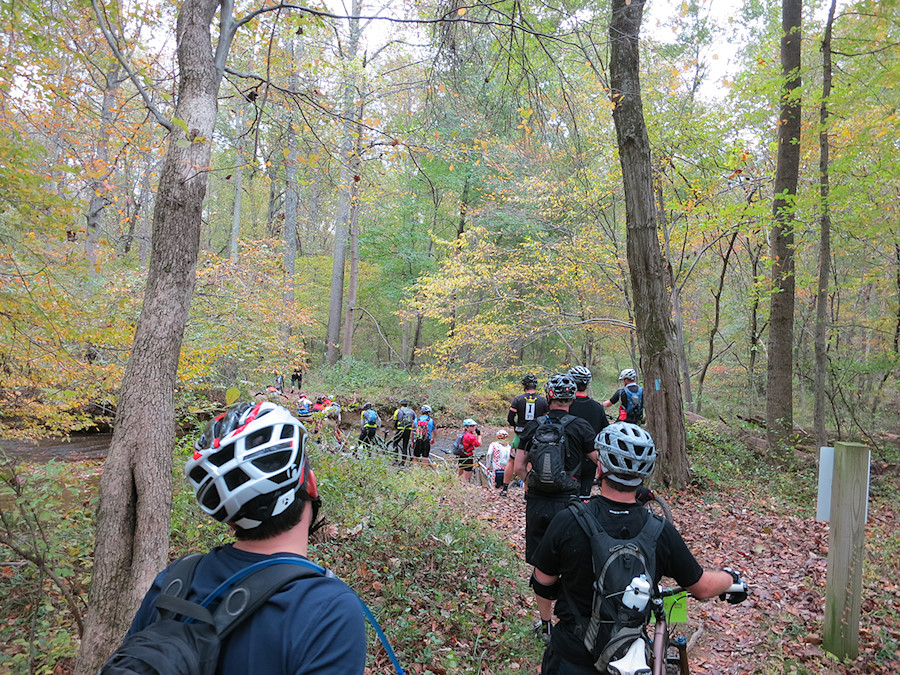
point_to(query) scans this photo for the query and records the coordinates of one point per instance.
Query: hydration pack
(370, 417)
(624, 574)
(421, 432)
(458, 448)
(187, 637)
(406, 417)
(632, 405)
(547, 454)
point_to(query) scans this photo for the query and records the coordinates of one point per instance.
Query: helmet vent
(197, 474)
(258, 437)
(287, 431)
(273, 461)
(234, 478)
(210, 499)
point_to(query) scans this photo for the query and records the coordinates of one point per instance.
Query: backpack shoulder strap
(566, 419)
(251, 592)
(175, 585)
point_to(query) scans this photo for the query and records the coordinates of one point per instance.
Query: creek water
(77, 447)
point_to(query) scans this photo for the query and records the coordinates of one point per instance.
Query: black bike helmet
(626, 453)
(580, 374)
(367, 406)
(560, 387)
(404, 402)
(529, 381)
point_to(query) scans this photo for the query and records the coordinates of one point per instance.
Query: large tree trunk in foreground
(779, 373)
(136, 488)
(655, 332)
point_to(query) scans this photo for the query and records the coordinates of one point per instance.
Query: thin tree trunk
(353, 282)
(342, 222)
(711, 342)
(132, 533)
(821, 340)
(94, 214)
(655, 332)
(238, 176)
(460, 231)
(779, 372)
(676, 306)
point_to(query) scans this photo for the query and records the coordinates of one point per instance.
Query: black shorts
(539, 511)
(467, 462)
(422, 448)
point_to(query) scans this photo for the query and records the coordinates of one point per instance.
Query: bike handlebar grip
(737, 588)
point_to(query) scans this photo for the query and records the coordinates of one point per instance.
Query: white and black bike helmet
(626, 453)
(426, 409)
(250, 464)
(469, 422)
(628, 374)
(580, 374)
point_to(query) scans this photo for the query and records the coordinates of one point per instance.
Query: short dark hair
(581, 386)
(275, 525)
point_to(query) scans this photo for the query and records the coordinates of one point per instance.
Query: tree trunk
(678, 313)
(655, 333)
(238, 175)
(132, 533)
(93, 217)
(349, 324)
(711, 342)
(821, 339)
(342, 222)
(779, 372)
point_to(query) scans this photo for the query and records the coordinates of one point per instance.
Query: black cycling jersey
(588, 409)
(524, 408)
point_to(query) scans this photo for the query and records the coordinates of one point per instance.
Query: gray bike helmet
(529, 381)
(426, 409)
(626, 453)
(560, 387)
(580, 374)
(628, 374)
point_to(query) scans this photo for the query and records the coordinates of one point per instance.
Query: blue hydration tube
(237, 576)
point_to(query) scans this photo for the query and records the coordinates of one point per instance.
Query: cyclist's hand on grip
(738, 591)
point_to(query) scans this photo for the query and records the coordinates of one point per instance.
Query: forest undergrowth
(441, 564)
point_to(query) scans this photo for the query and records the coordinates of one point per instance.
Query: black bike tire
(660, 507)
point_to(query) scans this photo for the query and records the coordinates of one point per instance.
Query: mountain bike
(669, 651)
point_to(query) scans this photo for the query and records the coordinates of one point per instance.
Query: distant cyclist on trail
(404, 421)
(471, 439)
(630, 398)
(423, 433)
(587, 409)
(369, 422)
(526, 407)
(498, 456)
(566, 572)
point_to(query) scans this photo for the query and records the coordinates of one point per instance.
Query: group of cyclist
(251, 470)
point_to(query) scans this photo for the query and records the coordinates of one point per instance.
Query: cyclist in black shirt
(586, 408)
(527, 406)
(563, 561)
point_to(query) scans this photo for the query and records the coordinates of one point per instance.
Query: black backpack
(458, 448)
(548, 454)
(613, 626)
(634, 404)
(191, 644)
